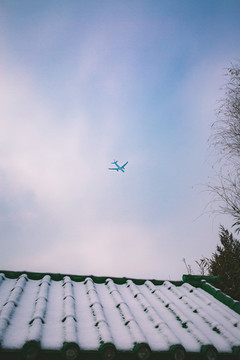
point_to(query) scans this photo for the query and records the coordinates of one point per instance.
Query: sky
(85, 82)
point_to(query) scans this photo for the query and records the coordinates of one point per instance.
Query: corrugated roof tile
(54, 312)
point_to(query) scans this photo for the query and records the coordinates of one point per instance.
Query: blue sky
(86, 82)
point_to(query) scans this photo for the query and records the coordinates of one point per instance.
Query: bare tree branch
(225, 140)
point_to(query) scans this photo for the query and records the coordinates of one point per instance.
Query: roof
(89, 316)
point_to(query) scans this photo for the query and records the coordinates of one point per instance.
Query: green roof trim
(178, 352)
(219, 295)
(107, 351)
(236, 351)
(91, 355)
(31, 350)
(70, 351)
(142, 351)
(196, 279)
(80, 278)
(208, 283)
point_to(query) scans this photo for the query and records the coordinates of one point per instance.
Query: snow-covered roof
(80, 315)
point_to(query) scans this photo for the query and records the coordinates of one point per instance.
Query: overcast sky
(86, 82)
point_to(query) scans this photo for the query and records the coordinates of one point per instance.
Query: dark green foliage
(225, 263)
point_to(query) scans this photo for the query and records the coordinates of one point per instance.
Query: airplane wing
(113, 169)
(124, 165)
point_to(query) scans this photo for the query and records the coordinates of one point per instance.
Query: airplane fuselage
(118, 168)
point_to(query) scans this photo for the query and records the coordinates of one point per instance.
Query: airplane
(121, 168)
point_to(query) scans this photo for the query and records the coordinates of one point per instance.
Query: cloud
(39, 153)
(65, 212)
(105, 249)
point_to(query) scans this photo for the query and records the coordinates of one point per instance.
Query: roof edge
(196, 279)
(209, 284)
(78, 278)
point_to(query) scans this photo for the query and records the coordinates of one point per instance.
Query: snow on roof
(47, 312)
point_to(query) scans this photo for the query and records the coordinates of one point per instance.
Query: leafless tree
(225, 140)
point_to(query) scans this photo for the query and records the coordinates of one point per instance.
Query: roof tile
(135, 316)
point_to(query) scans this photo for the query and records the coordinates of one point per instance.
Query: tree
(225, 139)
(225, 263)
